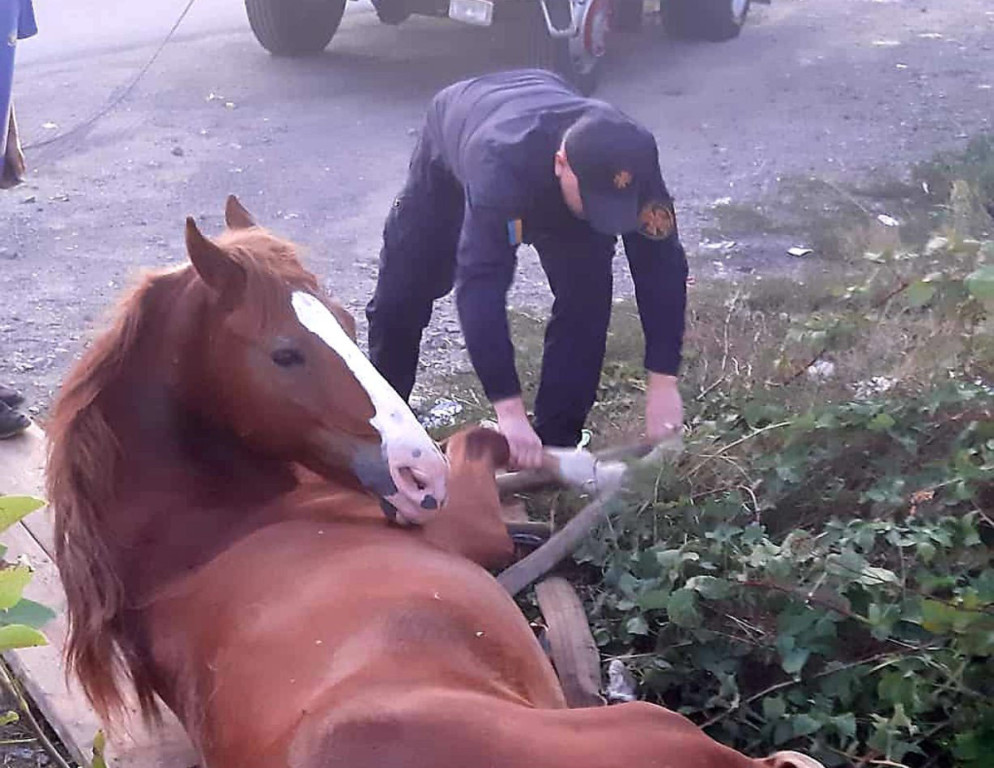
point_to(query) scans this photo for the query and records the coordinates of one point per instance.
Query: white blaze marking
(392, 418)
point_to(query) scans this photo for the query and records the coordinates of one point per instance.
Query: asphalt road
(316, 148)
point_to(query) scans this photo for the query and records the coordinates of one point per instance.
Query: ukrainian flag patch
(514, 232)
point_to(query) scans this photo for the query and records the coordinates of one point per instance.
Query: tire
(714, 20)
(294, 27)
(392, 12)
(627, 16)
(553, 53)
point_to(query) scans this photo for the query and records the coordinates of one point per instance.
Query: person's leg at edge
(417, 266)
(579, 272)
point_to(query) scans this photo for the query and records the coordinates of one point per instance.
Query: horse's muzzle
(412, 484)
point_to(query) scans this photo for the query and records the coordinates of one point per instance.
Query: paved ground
(835, 89)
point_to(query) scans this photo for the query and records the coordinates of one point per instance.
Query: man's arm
(484, 270)
(659, 271)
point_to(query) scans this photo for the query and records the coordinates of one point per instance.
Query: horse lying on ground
(214, 475)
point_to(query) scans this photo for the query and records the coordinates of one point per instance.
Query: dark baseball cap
(617, 165)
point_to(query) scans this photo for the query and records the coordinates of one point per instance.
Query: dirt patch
(19, 745)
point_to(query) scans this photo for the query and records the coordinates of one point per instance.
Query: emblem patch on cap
(657, 220)
(622, 179)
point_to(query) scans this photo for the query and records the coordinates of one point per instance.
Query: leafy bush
(823, 583)
(20, 619)
(816, 572)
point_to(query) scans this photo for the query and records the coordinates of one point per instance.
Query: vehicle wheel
(627, 16)
(576, 59)
(392, 11)
(714, 20)
(294, 27)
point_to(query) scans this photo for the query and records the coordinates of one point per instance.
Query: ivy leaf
(637, 626)
(15, 508)
(774, 707)
(12, 584)
(793, 661)
(981, 284)
(804, 725)
(29, 613)
(18, 636)
(984, 584)
(710, 587)
(900, 689)
(882, 619)
(99, 748)
(845, 725)
(783, 733)
(941, 618)
(682, 609)
(872, 575)
(654, 599)
(919, 293)
(882, 422)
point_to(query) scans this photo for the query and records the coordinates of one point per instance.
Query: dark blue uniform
(482, 172)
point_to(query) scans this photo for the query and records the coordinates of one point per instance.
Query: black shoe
(10, 397)
(12, 422)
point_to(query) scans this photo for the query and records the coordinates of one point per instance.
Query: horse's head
(279, 366)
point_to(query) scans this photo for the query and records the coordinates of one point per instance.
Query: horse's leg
(462, 731)
(471, 523)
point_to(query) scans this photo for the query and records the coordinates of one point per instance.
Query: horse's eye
(287, 357)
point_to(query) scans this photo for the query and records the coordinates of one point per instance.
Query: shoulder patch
(514, 232)
(657, 220)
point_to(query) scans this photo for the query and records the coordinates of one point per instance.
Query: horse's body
(273, 607)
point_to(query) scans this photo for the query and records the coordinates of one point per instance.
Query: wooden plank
(41, 670)
(513, 512)
(572, 646)
(22, 473)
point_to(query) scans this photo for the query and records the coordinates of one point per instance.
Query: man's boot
(12, 422)
(10, 396)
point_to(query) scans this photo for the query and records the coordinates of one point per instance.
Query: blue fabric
(26, 24)
(17, 21)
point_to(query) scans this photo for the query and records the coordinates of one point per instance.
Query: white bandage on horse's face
(418, 468)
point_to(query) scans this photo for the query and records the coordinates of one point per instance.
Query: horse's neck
(184, 488)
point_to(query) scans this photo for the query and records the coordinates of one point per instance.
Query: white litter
(723, 245)
(888, 221)
(873, 386)
(442, 414)
(822, 370)
(621, 686)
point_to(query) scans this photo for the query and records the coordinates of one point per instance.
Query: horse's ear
(345, 318)
(215, 267)
(482, 442)
(236, 216)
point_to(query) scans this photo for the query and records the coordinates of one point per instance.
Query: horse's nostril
(415, 477)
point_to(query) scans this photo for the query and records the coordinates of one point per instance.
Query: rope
(116, 101)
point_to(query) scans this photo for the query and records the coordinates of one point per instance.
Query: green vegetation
(815, 572)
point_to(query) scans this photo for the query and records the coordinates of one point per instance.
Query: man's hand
(663, 407)
(525, 445)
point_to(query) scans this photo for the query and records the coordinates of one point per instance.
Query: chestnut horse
(215, 462)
